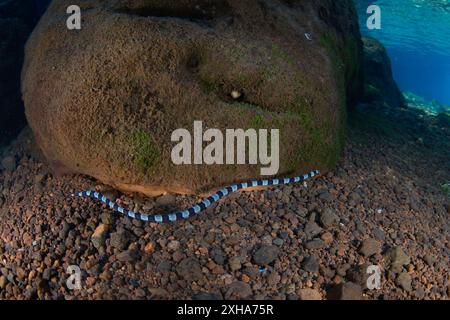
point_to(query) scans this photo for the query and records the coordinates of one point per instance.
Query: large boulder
(380, 86)
(104, 100)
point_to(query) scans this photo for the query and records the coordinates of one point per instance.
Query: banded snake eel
(199, 207)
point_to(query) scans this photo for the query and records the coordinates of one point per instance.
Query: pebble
(278, 242)
(369, 247)
(309, 294)
(126, 256)
(238, 290)
(266, 254)
(120, 239)
(310, 264)
(395, 257)
(3, 282)
(252, 272)
(315, 244)
(166, 200)
(149, 248)
(235, 94)
(327, 237)
(345, 291)
(173, 245)
(235, 264)
(328, 218)
(98, 238)
(207, 296)
(404, 280)
(358, 275)
(190, 269)
(312, 229)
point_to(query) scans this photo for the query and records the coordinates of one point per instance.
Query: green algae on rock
(105, 99)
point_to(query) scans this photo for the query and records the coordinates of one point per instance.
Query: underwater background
(416, 34)
(385, 202)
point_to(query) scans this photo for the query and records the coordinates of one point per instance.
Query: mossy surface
(145, 152)
(446, 188)
(319, 140)
(130, 147)
(258, 122)
(282, 55)
(346, 58)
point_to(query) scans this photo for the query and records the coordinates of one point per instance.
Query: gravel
(279, 243)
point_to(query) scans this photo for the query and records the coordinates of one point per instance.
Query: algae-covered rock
(105, 99)
(379, 83)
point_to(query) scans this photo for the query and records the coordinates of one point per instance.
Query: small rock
(190, 269)
(278, 242)
(266, 254)
(238, 290)
(273, 279)
(218, 256)
(166, 200)
(325, 195)
(404, 280)
(149, 248)
(328, 218)
(47, 274)
(430, 260)
(309, 294)
(358, 275)
(207, 296)
(315, 244)
(345, 291)
(99, 236)
(420, 293)
(369, 247)
(158, 292)
(126, 256)
(164, 266)
(235, 94)
(312, 229)
(3, 282)
(310, 264)
(120, 239)
(396, 258)
(379, 234)
(173, 245)
(235, 264)
(251, 272)
(327, 237)
(9, 163)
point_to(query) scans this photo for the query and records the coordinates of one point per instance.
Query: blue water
(416, 34)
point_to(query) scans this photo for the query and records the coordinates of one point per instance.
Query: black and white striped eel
(199, 207)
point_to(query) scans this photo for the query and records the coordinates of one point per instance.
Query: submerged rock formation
(105, 99)
(379, 84)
